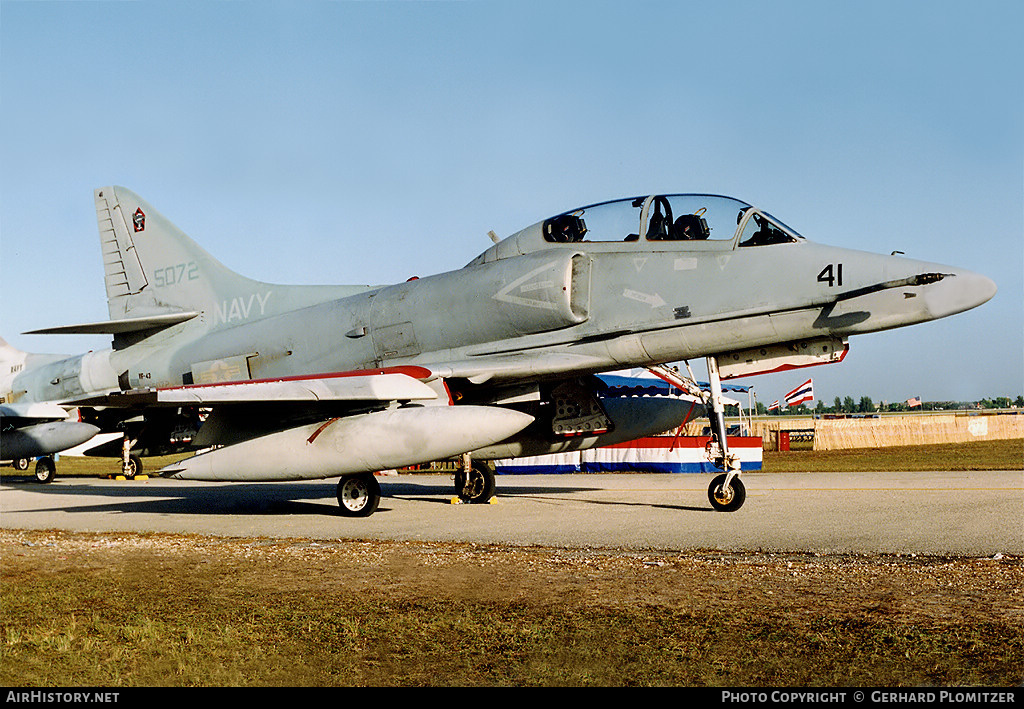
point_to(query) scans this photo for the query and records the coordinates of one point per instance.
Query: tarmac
(972, 514)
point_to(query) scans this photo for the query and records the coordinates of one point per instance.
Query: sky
(367, 142)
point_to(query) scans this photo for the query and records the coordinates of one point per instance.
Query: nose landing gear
(727, 495)
(726, 492)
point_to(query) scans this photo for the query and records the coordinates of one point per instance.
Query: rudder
(150, 266)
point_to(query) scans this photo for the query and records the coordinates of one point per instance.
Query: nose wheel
(726, 495)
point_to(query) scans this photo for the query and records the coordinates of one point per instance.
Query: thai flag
(804, 392)
(775, 405)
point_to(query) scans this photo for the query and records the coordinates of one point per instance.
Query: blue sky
(366, 142)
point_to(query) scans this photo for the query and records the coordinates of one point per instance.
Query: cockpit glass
(786, 227)
(698, 218)
(762, 229)
(652, 218)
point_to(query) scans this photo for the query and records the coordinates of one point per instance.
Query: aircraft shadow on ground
(188, 499)
(270, 499)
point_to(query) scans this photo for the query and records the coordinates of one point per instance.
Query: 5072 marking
(179, 273)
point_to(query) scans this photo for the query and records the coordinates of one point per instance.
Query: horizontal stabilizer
(117, 327)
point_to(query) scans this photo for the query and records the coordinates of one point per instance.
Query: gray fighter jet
(31, 429)
(493, 360)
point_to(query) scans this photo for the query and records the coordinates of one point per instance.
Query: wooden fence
(895, 430)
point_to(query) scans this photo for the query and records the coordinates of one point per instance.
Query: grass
(168, 621)
(84, 466)
(977, 455)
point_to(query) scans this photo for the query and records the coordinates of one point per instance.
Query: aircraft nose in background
(963, 291)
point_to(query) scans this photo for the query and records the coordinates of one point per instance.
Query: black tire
(20, 464)
(46, 470)
(728, 500)
(358, 495)
(479, 488)
(134, 467)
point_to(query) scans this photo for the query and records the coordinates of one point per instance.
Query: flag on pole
(916, 401)
(804, 392)
(774, 406)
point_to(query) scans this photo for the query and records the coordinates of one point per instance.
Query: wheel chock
(459, 501)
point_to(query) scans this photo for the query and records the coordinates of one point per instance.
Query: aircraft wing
(33, 411)
(243, 410)
(364, 387)
(372, 385)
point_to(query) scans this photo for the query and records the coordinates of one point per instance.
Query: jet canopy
(678, 217)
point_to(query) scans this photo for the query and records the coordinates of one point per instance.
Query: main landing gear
(46, 469)
(474, 481)
(131, 464)
(358, 495)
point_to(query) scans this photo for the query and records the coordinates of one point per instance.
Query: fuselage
(600, 288)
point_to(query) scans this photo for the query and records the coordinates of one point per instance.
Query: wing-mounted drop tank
(370, 442)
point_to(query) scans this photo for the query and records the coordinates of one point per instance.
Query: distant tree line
(847, 405)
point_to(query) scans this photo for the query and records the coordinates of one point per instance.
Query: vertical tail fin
(156, 274)
(10, 359)
(151, 267)
(13, 364)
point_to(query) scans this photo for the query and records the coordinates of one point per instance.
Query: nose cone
(957, 292)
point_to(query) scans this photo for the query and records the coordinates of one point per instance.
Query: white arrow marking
(655, 301)
(505, 294)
